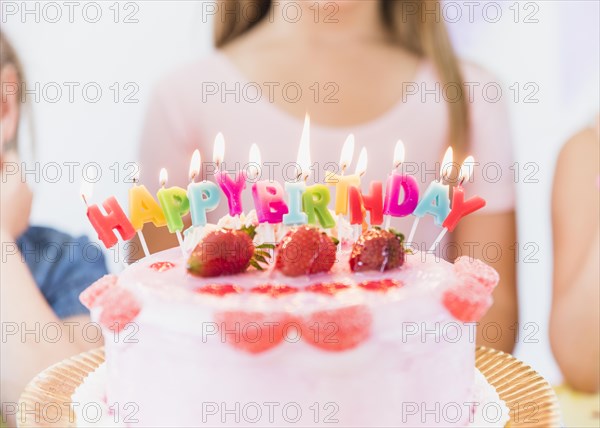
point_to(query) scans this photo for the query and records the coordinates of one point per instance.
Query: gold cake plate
(530, 399)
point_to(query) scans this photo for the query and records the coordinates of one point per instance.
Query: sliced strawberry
(330, 288)
(162, 266)
(119, 307)
(253, 332)
(218, 289)
(381, 284)
(90, 296)
(274, 290)
(338, 329)
(467, 302)
(483, 273)
(305, 250)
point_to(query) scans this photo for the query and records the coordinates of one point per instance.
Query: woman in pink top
(376, 69)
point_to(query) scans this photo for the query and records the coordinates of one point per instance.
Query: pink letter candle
(397, 184)
(232, 187)
(268, 201)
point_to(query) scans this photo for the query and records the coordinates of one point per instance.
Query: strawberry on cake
(242, 333)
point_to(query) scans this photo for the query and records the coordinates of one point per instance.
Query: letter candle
(115, 218)
(203, 196)
(316, 197)
(295, 189)
(436, 192)
(268, 198)
(360, 170)
(232, 187)
(143, 209)
(343, 182)
(397, 182)
(460, 207)
(175, 204)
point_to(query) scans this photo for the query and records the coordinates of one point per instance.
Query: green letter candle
(315, 200)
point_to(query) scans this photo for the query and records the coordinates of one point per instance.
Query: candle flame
(195, 165)
(219, 149)
(361, 164)
(466, 169)
(86, 190)
(399, 153)
(303, 159)
(163, 177)
(255, 161)
(447, 163)
(347, 153)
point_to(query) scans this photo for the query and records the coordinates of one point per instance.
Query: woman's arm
(575, 316)
(33, 336)
(497, 329)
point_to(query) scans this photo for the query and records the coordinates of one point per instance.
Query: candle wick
(85, 200)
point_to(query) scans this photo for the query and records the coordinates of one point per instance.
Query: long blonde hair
(423, 34)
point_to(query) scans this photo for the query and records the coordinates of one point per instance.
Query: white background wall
(558, 53)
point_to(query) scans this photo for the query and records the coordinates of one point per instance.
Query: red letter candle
(360, 203)
(115, 219)
(460, 207)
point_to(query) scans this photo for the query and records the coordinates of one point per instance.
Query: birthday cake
(374, 336)
(292, 315)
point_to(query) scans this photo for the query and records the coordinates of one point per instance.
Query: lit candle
(295, 189)
(174, 203)
(143, 208)
(373, 203)
(357, 204)
(460, 207)
(396, 184)
(360, 204)
(343, 182)
(435, 200)
(231, 186)
(267, 195)
(315, 199)
(104, 225)
(204, 196)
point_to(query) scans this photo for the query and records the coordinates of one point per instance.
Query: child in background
(575, 318)
(38, 287)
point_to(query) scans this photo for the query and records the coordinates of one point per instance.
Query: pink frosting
(411, 365)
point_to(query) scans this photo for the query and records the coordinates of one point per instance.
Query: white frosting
(490, 411)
